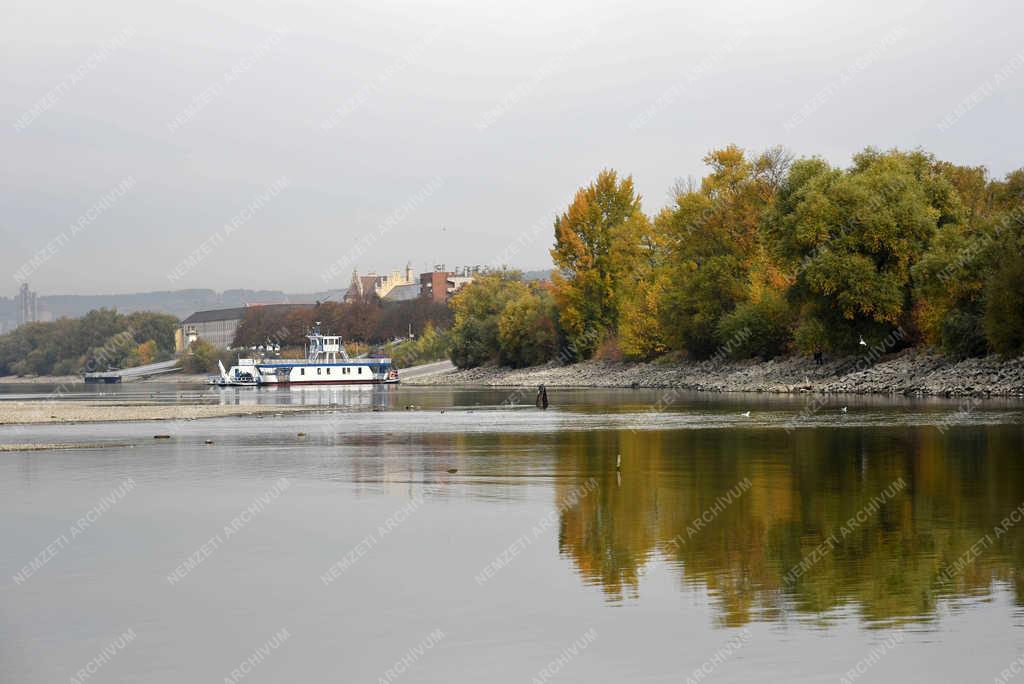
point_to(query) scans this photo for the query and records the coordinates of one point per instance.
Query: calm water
(870, 539)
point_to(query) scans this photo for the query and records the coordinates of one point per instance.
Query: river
(472, 537)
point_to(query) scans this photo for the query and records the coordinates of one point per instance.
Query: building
(377, 285)
(218, 326)
(27, 305)
(439, 285)
(403, 293)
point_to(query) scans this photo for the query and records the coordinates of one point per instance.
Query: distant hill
(179, 303)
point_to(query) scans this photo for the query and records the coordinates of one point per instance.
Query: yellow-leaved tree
(597, 243)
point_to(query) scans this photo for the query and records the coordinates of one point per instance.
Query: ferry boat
(326, 362)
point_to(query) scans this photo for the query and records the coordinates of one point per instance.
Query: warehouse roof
(235, 313)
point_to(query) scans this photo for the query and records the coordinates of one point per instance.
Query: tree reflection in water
(803, 487)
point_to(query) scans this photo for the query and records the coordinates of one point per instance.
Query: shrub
(810, 335)
(962, 336)
(475, 343)
(761, 328)
(202, 357)
(526, 331)
(432, 345)
(1004, 314)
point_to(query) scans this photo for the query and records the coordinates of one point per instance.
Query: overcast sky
(262, 144)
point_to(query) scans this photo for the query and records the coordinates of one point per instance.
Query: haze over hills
(180, 303)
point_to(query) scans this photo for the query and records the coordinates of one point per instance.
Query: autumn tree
(595, 249)
(716, 257)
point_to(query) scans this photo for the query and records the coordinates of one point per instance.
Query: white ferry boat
(326, 362)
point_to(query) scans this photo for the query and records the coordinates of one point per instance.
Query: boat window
(319, 371)
(360, 370)
(302, 371)
(328, 371)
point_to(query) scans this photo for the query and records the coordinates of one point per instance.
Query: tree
(762, 328)
(853, 236)
(527, 335)
(595, 248)
(716, 257)
(477, 307)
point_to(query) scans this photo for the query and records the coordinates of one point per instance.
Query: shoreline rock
(911, 372)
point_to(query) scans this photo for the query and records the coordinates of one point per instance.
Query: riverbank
(911, 372)
(40, 412)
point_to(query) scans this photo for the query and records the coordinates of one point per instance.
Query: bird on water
(542, 397)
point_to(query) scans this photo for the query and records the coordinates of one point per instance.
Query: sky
(271, 145)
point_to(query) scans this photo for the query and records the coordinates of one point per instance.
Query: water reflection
(803, 491)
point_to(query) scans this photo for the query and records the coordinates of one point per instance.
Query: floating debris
(208, 441)
(302, 435)
(453, 470)
(161, 436)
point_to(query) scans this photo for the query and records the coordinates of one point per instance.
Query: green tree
(853, 236)
(1004, 303)
(527, 335)
(477, 307)
(763, 328)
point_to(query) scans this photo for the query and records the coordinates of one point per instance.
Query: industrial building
(218, 326)
(27, 305)
(439, 285)
(378, 285)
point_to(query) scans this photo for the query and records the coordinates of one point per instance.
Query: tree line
(101, 339)
(368, 320)
(769, 255)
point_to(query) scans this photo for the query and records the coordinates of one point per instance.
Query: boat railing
(292, 362)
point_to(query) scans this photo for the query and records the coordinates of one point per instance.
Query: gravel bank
(173, 378)
(36, 412)
(910, 372)
(56, 447)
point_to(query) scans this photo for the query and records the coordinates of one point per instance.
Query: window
(319, 371)
(302, 371)
(360, 370)
(328, 371)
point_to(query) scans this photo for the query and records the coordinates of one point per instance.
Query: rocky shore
(911, 372)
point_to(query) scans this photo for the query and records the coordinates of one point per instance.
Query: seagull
(745, 414)
(842, 410)
(862, 342)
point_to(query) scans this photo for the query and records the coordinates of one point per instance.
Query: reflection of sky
(418, 575)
